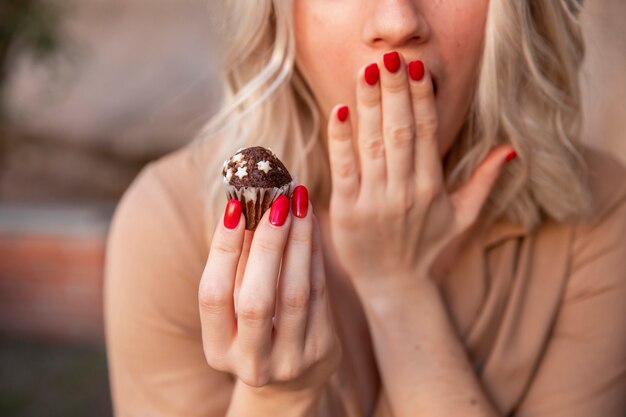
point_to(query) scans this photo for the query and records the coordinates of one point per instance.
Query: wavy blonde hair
(527, 94)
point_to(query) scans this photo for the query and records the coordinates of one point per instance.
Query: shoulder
(161, 212)
(607, 185)
(598, 250)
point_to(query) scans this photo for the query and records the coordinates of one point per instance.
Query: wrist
(385, 298)
(248, 401)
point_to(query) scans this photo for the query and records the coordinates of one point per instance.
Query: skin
(386, 245)
(445, 34)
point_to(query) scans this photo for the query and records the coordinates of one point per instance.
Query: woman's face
(334, 38)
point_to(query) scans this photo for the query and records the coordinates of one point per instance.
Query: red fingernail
(300, 201)
(372, 74)
(232, 214)
(342, 113)
(279, 210)
(511, 156)
(416, 70)
(392, 61)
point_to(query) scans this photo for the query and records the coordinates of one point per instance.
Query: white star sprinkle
(229, 174)
(241, 172)
(225, 164)
(237, 158)
(264, 166)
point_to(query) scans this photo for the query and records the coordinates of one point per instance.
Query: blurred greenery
(26, 27)
(30, 26)
(41, 379)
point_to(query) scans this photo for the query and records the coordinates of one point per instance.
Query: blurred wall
(604, 75)
(133, 80)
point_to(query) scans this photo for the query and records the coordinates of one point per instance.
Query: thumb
(470, 198)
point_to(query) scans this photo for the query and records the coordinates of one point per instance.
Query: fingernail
(279, 210)
(511, 156)
(232, 214)
(300, 201)
(342, 113)
(392, 61)
(372, 74)
(416, 70)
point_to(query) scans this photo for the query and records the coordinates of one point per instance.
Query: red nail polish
(416, 70)
(342, 113)
(372, 74)
(300, 201)
(392, 61)
(232, 214)
(511, 156)
(279, 210)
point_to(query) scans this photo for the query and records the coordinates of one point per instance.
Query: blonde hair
(527, 94)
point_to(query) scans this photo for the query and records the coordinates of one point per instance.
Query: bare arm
(249, 401)
(423, 365)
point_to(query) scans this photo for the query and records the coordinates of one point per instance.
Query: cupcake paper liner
(256, 200)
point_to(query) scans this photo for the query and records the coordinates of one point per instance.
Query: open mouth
(434, 86)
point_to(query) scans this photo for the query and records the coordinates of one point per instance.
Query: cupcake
(255, 176)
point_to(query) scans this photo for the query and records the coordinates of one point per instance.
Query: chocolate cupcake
(255, 176)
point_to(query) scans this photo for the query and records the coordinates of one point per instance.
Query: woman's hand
(282, 338)
(390, 221)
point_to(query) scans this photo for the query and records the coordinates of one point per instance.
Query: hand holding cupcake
(275, 332)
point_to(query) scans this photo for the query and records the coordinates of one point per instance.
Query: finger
(241, 267)
(428, 169)
(398, 124)
(294, 288)
(343, 165)
(215, 291)
(257, 296)
(469, 199)
(370, 142)
(319, 323)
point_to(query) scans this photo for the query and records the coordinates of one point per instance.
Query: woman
(461, 252)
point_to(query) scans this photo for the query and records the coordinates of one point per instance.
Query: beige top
(542, 316)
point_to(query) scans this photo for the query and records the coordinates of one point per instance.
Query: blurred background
(92, 90)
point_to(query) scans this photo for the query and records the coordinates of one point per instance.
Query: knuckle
(345, 169)
(402, 201)
(255, 378)
(254, 311)
(216, 361)
(427, 190)
(374, 147)
(396, 86)
(296, 298)
(370, 99)
(288, 370)
(225, 247)
(213, 297)
(340, 135)
(301, 235)
(400, 136)
(269, 246)
(421, 92)
(427, 127)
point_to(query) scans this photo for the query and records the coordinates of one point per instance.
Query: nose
(394, 23)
